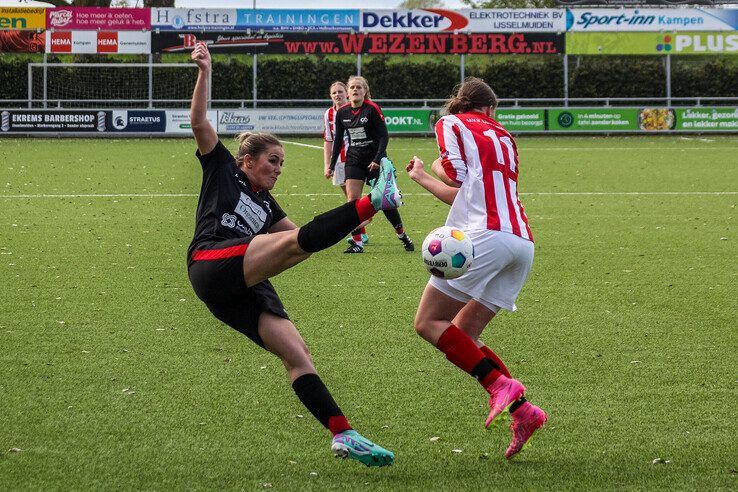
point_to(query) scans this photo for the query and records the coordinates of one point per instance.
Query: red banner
(22, 42)
(378, 43)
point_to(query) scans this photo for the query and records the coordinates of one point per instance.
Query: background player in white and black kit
(339, 97)
(242, 238)
(478, 171)
(363, 121)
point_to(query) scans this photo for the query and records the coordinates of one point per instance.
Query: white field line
(542, 193)
(549, 149)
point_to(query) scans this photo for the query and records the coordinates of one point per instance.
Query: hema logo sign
(424, 20)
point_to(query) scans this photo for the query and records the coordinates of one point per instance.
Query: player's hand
(327, 173)
(416, 168)
(201, 57)
(373, 167)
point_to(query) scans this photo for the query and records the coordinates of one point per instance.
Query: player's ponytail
(474, 93)
(254, 144)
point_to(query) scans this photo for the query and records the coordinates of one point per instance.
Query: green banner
(705, 119)
(409, 120)
(651, 43)
(521, 120)
(593, 119)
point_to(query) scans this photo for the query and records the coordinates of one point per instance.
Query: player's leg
(354, 187)
(436, 321)
(393, 216)
(282, 338)
(269, 254)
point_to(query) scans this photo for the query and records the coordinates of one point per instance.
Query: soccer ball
(448, 252)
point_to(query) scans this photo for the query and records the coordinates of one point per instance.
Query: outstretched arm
(440, 190)
(205, 134)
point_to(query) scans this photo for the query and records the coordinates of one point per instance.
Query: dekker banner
(377, 43)
(644, 43)
(22, 18)
(472, 21)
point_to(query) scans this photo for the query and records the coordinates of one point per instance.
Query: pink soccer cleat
(502, 393)
(525, 421)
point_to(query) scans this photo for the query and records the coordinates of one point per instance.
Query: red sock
(461, 350)
(363, 230)
(338, 424)
(495, 360)
(364, 208)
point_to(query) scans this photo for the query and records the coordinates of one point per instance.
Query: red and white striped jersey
(478, 153)
(329, 131)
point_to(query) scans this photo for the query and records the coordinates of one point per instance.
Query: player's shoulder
(371, 104)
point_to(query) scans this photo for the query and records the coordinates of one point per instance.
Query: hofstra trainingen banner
(178, 19)
(374, 43)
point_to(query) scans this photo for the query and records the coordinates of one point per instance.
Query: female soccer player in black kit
(364, 122)
(243, 237)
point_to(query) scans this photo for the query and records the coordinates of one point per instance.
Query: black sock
(517, 404)
(327, 229)
(315, 396)
(393, 216)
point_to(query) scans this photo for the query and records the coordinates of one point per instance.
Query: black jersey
(229, 208)
(367, 134)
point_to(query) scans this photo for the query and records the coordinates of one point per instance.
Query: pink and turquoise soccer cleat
(384, 194)
(351, 444)
(502, 393)
(525, 421)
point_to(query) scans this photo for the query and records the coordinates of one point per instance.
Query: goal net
(111, 85)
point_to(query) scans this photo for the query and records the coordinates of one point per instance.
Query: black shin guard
(327, 229)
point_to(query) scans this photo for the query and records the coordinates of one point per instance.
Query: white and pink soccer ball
(448, 252)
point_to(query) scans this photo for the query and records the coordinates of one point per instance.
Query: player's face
(357, 93)
(264, 170)
(338, 95)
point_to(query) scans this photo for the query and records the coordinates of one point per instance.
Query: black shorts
(216, 274)
(360, 171)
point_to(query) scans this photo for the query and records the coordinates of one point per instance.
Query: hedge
(408, 78)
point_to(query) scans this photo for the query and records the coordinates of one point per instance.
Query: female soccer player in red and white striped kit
(478, 171)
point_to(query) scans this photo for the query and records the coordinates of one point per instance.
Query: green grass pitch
(115, 376)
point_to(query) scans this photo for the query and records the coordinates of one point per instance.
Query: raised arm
(444, 192)
(205, 134)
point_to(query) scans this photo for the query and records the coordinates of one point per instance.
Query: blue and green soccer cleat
(385, 195)
(351, 444)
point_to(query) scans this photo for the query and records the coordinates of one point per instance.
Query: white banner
(168, 19)
(652, 19)
(465, 20)
(102, 42)
(293, 121)
(178, 121)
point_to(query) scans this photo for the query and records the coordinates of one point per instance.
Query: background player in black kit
(242, 238)
(363, 120)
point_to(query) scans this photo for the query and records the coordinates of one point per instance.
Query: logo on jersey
(356, 134)
(252, 213)
(363, 120)
(228, 221)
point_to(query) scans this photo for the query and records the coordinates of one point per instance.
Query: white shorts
(501, 265)
(339, 174)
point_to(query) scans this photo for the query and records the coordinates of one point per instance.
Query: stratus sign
(652, 19)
